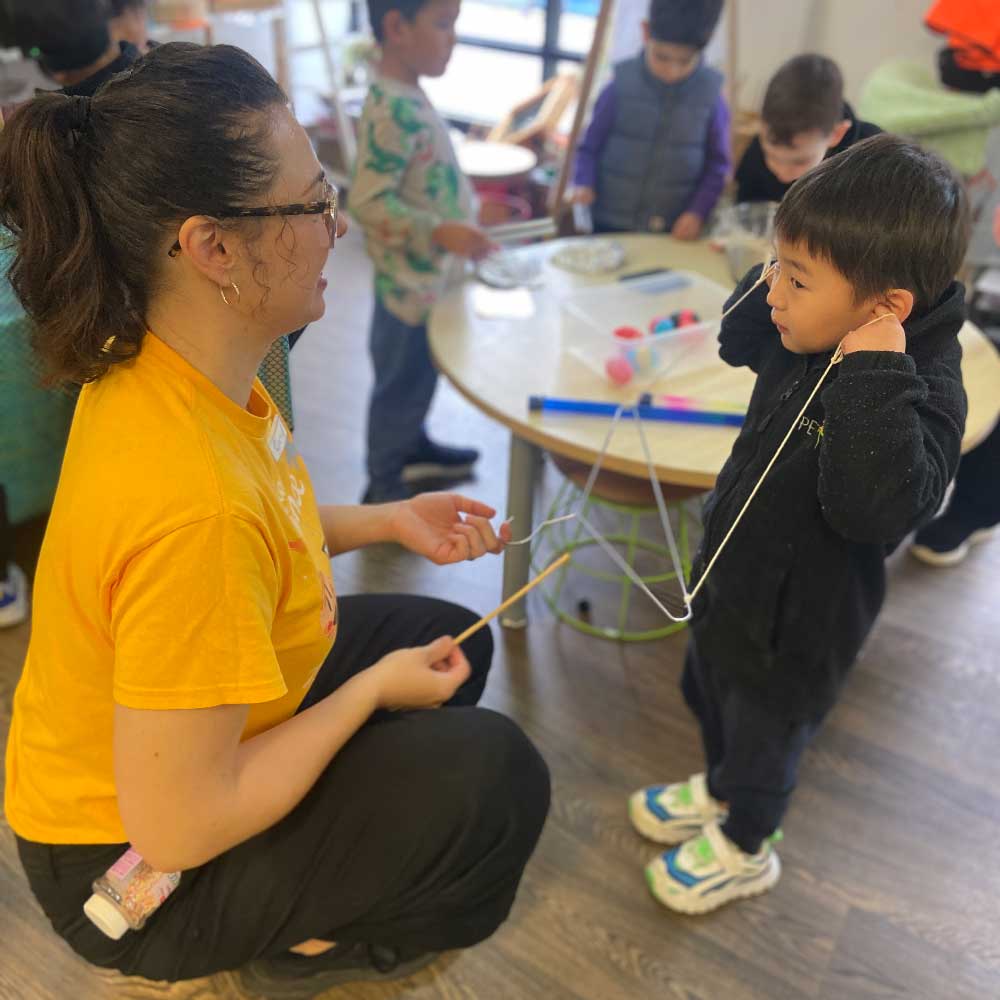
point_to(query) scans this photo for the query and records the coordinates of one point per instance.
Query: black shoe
(285, 977)
(386, 493)
(439, 461)
(945, 542)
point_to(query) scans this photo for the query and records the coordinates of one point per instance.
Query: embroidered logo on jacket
(813, 429)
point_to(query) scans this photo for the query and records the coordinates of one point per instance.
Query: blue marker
(599, 408)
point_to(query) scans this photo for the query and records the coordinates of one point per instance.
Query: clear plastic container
(746, 232)
(611, 328)
(127, 893)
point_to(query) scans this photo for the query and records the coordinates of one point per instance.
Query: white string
(631, 573)
(540, 528)
(768, 270)
(588, 486)
(687, 596)
(599, 538)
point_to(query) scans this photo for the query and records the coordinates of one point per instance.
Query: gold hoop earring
(222, 292)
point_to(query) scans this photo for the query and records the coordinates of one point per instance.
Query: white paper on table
(497, 303)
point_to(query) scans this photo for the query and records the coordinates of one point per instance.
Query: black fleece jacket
(794, 594)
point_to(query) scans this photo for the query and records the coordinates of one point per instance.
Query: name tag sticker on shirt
(277, 437)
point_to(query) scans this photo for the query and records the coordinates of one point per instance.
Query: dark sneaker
(386, 493)
(439, 461)
(287, 976)
(946, 543)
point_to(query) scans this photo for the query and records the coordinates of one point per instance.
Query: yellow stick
(473, 629)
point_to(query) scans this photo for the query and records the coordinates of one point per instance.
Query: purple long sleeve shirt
(717, 155)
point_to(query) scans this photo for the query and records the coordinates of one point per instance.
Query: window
(533, 35)
(482, 84)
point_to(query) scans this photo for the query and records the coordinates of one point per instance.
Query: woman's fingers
(490, 539)
(473, 538)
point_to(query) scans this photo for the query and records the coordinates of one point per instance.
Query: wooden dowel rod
(473, 629)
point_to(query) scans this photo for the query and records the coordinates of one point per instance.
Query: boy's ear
(838, 133)
(645, 32)
(899, 301)
(392, 24)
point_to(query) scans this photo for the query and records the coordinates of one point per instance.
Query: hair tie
(80, 112)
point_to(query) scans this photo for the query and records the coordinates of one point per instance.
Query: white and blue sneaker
(669, 814)
(709, 870)
(13, 596)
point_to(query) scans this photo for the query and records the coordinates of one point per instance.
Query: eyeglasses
(329, 207)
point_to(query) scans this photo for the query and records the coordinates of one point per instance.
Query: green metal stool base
(558, 540)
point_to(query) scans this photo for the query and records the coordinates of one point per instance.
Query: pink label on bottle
(125, 864)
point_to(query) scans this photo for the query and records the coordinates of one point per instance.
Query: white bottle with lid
(127, 893)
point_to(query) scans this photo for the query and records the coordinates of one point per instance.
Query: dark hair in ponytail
(94, 191)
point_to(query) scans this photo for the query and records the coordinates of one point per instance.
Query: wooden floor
(892, 846)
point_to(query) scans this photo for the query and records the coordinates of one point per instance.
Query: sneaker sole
(428, 470)
(694, 905)
(652, 829)
(954, 556)
(260, 982)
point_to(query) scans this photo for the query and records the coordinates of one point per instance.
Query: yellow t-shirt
(183, 566)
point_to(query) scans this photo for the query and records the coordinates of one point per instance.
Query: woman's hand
(581, 196)
(463, 240)
(447, 528)
(424, 677)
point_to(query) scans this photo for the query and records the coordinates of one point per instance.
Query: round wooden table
(498, 363)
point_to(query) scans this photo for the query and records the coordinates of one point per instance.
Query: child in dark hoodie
(876, 233)
(804, 120)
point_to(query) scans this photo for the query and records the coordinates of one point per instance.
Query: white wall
(858, 34)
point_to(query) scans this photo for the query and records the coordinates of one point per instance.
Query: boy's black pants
(752, 754)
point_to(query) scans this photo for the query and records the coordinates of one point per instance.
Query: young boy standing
(805, 120)
(874, 234)
(414, 206)
(655, 157)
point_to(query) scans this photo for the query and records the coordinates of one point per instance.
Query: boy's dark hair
(886, 214)
(684, 22)
(95, 205)
(805, 95)
(64, 35)
(118, 7)
(377, 9)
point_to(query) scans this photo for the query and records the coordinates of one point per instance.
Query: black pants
(415, 836)
(752, 755)
(975, 502)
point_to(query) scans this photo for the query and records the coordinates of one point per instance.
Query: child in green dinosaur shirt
(414, 206)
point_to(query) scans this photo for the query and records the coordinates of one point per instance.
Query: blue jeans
(752, 754)
(405, 378)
